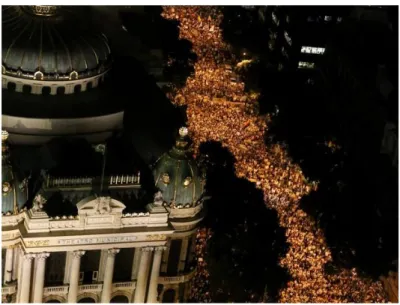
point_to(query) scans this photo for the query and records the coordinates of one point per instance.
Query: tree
(247, 241)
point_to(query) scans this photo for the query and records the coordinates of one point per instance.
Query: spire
(101, 148)
(181, 144)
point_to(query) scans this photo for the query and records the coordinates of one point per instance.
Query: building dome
(14, 190)
(51, 43)
(177, 176)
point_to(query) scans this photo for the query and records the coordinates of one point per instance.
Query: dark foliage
(247, 241)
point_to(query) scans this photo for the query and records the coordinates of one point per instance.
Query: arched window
(87, 300)
(119, 299)
(26, 89)
(46, 90)
(89, 86)
(53, 301)
(60, 90)
(77, 88)
(169, 296)
(73, 75)
(38, 75)
(11, 86)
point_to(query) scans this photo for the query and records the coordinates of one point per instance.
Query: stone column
(18, 87)
(67, 267)
(135, 264)
(20, 263)
(74, 276)
(26, 277)
(69, 89)
(39, 277)
(36, 89)
(102, 264)
(182, 257)
(9, 265)
(83, 87)
(155, 270)
(143, 275)
(164, 265)
(108, 276)
(15, 264)
(53, 90)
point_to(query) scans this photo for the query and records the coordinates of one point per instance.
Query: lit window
(288, 39)
(284, 52)
(287, 19)
(339, 19)
(275, 19)
(306, 65)
(310, 81)
(328, 18)
(312, 50)
(271, 45)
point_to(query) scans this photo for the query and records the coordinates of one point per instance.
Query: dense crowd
(269, 167)
(201, 285)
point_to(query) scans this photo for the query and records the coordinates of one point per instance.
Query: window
(312, 50)
(328, 18)
(284, 53)
(26, 89)
(306, 65)
(77, 88)
(89, 86)
(60, 90)
(288, 39)
(339, 19)
(271, 45)
(46, 90)
(11, 86)
(275, 19)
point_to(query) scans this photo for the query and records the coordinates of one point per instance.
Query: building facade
(100, 252)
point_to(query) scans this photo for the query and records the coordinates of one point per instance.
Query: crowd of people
(201, 284)
(269, 167)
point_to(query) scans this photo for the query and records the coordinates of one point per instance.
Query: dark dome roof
(14, 190)
(56, 42)
(177, 175)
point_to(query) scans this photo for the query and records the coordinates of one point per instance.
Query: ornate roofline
(43, 76)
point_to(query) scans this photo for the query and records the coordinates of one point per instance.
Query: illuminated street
(281, 181)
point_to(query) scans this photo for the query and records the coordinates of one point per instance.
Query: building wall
(28, 131)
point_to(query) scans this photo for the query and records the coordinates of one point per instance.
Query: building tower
(54, 67)
(182, 187)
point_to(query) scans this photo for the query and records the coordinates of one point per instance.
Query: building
(54, 76)
(297, 36)
(99, 252)
(360, 70)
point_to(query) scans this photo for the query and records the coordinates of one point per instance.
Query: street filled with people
(268, 166)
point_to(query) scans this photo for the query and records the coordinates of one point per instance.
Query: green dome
(177, 176)
(14, 190)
